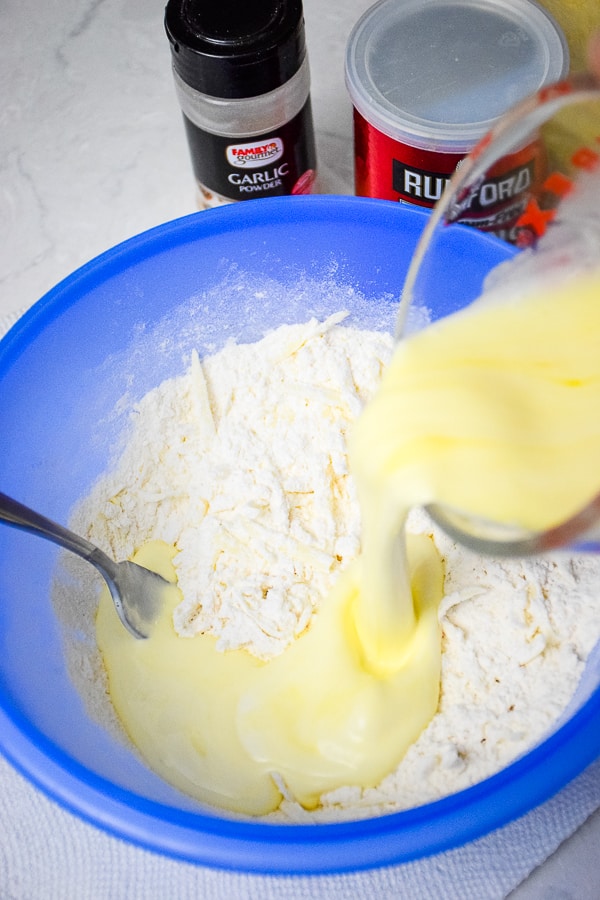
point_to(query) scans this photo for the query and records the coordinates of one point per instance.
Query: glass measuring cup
(533, 180)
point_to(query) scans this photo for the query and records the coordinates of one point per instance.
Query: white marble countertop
(92, 151)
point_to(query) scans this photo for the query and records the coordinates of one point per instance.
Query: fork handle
(14, 513)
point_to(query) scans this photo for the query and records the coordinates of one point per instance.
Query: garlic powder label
(254, 154)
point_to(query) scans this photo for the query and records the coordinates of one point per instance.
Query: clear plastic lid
(437, 73)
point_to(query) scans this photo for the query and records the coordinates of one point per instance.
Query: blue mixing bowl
(117, 327)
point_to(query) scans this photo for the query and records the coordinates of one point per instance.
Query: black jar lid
(232, 49)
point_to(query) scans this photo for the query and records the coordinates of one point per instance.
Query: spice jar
(429, 78)
(242, 80)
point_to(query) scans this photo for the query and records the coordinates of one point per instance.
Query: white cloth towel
(47, 852)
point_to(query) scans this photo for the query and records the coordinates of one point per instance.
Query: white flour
(242, 464)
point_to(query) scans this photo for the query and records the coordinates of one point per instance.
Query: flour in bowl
(241, 463)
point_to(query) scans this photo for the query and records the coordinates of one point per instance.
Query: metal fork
(138, 593)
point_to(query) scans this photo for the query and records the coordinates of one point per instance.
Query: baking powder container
(242, 80)
(428, 79)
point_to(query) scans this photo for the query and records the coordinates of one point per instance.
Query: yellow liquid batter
(219, 725)
(494, 411)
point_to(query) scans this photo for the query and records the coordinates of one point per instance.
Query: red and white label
(254, 155)
(391, 170)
